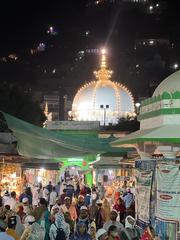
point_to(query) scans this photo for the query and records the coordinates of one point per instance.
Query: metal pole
(104, 116)
(59, 109)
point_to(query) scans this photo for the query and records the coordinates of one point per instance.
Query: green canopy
(41, 143)
(166, 133)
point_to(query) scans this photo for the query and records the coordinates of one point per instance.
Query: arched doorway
(81, 165)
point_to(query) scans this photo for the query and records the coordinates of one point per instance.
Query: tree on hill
(19, 103)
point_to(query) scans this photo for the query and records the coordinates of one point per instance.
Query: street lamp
(137, 105)
(175, 66)
(104, 107)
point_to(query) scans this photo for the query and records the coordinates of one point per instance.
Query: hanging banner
(143, 192)
(168, 192)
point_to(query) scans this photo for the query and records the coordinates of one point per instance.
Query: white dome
(103, 101)
(170, 84)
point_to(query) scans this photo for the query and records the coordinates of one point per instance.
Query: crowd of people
(69, 210)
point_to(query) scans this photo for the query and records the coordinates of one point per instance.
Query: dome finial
(103, 74)
(103, 58)
(46, 111)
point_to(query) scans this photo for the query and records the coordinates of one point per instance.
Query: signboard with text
(143, 193)
(168, 192)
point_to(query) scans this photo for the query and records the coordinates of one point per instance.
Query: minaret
(103, 74)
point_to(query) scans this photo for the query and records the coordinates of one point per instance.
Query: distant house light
(151, 8)
(51, 29)
(13, 56)
(41, 47)
(151, 42)
(175, 66)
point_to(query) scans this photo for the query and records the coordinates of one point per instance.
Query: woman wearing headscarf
(119, 206)
(81, 232)
(19, 226)
(42, 216)
(92, 230)
(113, 233)
(37, 232)
(20, 212)
(131, 231)
(107, 209)
(59, 224)
(68, 219)
(117, 195)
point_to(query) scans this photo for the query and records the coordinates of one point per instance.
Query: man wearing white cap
(84, 217)
(79, 204)
(99, 215)
(11, 201)
(101, 234)
(32, 229)
(69, 207)
(112, 221)
(27, 208)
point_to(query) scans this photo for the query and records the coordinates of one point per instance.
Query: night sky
(23, 23)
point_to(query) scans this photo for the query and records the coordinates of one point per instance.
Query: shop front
(35, 173)
(10, 177)
(115, 173)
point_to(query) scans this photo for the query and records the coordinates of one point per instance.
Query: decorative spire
(46, 111)
(103, 58)
(103, 74)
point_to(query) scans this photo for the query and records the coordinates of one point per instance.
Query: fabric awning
(107, 161)
(41, 143)
(166, 133)
(47, 166)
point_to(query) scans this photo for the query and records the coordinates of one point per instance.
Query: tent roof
(41, 143)
(166, 133)
(106, 162)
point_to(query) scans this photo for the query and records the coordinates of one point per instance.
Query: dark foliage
(19, 103)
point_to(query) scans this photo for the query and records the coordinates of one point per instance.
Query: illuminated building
(102, 100)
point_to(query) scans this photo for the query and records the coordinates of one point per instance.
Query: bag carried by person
(60, 234)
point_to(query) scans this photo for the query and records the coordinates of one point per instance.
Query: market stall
(41, 173)
(10, 177)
